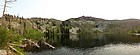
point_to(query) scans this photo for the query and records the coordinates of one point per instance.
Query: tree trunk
(3, 17)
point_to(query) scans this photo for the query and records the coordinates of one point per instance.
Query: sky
(65, 9)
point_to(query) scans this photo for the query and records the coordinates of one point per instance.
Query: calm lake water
(94, 44)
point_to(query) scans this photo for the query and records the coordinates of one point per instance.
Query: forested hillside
(99, 25)
(26, 33)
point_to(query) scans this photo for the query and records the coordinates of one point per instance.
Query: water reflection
(117, 49)
(96, 40)
(95, 44)
(73, 37)
(111, 49)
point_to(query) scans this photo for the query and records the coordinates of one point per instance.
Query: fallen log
(49, 45)
(30, 41)
(16, 50)
(23, 46)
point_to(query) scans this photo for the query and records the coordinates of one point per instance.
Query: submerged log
(49, 45)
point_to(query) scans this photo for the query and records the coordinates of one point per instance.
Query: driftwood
(49, 45)
(30, 41)
(16, 50)
(23, 46)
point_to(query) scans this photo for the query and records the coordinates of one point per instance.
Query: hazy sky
(64, 9)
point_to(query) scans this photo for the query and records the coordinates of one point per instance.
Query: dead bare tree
(4, 8)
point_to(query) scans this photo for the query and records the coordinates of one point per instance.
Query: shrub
(3, 36)
(33, 34)
(7, 36)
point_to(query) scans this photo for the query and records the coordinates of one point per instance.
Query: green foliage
(65, 29)
(137, 30)
(8, 36)
(96, 31)
(3, 36)
(33, 34)
(21, 50)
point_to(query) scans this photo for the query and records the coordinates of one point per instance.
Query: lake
(94, 44)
